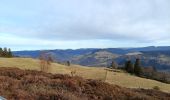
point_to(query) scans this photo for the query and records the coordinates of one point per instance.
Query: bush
(156, 88)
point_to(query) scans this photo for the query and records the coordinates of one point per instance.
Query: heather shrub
(156, 88)
(16, 84)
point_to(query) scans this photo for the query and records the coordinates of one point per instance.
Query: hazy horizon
(74, 24)
(87, 48)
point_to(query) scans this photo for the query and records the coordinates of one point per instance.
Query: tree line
(129, 67)
(133, 68)
(146, 72)
(5, 52)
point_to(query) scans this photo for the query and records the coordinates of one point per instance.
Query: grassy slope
(119, 78)
(37, 85)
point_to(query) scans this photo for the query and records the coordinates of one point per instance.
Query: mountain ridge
(158, 57)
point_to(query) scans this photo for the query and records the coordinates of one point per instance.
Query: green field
(114, 77)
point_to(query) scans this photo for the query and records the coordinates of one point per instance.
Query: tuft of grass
(156, 88)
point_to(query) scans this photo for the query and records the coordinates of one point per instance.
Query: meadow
(116, 77)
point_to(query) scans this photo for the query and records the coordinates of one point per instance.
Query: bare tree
(114, 65)
(45, 61)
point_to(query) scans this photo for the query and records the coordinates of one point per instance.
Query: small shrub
(156, 88)
(73, 72)
(68, 63)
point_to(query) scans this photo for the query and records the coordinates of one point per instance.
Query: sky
(73, 24)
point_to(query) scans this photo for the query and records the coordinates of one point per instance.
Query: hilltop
(116, 77)
(98, 58)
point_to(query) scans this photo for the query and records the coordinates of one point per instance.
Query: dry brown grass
(117, 77)
(16, 84)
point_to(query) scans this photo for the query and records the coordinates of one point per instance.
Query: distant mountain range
(159, 57)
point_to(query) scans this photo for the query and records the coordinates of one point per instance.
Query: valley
(157, 57)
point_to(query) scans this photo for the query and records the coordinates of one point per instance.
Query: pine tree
(68, 63)
(9, 53)
(1, 52)
(5, 52)
(137, 68)
(129, 67)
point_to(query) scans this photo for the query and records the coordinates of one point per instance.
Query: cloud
(74, 20)
(18, 43)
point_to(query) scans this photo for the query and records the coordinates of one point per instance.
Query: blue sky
(63, 24)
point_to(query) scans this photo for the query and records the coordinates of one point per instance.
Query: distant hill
(65, 54)
(158, 57)
(151, 48)
(99, 58)
(61, 55)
